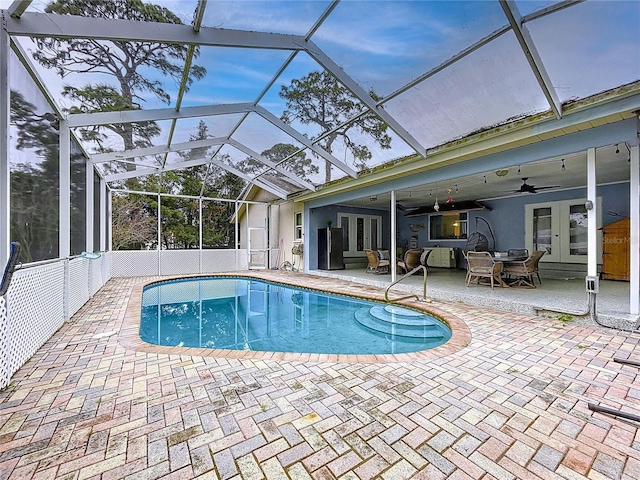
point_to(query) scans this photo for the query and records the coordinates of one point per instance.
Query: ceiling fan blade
(547, 187)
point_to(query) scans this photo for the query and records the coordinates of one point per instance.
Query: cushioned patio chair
(379, 261)
(482, 265)
(411, 260)
(523, 271)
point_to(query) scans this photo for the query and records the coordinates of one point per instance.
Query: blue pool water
(245, 314)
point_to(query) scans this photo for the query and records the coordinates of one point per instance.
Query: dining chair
(482, 265)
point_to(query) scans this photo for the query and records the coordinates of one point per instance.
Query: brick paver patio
(508, 401)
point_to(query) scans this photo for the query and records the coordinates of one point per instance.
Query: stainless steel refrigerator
(330, 249)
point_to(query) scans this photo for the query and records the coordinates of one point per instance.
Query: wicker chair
(523, 271)
(482, 265)
(411, 260)
(377, 264)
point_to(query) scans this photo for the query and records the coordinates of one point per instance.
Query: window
(297, 226)
(451, 226)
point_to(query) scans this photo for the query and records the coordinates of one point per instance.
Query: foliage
(133, 225)
(298, 163)
(180, 216)
(121, 60)
(320, 99)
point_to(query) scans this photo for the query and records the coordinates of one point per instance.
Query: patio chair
(482, 265)
(379, 261)
(411, 260)
(523, 271)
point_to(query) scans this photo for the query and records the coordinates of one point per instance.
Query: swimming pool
(248, 314)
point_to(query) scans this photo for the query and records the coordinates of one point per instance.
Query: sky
(383, 45)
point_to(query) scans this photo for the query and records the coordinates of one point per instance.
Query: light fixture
(617, 149)
(518, 169)
(456, 188)
(563, 169)
(373, 198)
(485, 179)
(503, 172)
(430, 191)
(436, 206)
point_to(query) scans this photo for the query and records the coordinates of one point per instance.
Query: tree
(35, 183)
(133, 226)
(320, 99)
(120, 60)
(180, 216)
(298, 164)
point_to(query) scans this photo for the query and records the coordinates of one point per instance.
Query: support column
(200, 234)
(592, 224)
(109, 215)
(634, 237)
(89, 227)
(104, 228)
(392, 256)
(5, 113)
(64, 232)
(159, 233)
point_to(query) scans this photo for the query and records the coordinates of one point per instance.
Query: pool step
(399, 321)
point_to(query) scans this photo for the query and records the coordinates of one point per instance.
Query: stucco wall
(282, 229)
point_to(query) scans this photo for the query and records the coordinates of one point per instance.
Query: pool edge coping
(129, 336)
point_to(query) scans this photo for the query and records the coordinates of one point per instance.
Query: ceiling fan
(526, 188)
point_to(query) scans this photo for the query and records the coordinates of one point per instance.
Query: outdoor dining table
(505, 261)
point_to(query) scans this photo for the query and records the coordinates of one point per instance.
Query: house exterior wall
(506, 216)
(283, 230)
(319, 217)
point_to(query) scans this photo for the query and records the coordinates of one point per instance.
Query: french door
(560, 230)
(360, 232)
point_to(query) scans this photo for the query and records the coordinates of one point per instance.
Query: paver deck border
(129, 336)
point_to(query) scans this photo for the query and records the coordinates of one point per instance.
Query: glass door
(560, 230)
(360, 232)
(543, 221)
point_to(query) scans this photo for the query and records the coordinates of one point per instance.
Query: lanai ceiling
(440, 71)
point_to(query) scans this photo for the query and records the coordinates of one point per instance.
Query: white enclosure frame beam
(531, 53)
(64, 226)
(323, 59)
(270, 117)
(634, 238)
(131, 116)
(17, 8)
(154, 170)
(89, 196)
(32, 24)
(104, 195)
(592, 215)
(291, 176)
(157, 150)
(5, 183)
(269, 188)
(393, 236)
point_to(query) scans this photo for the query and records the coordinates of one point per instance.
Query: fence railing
(41, 297)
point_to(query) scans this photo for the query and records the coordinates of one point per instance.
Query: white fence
(40, 299)
(136, 263)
